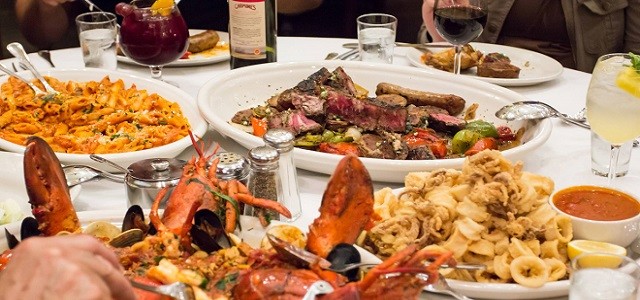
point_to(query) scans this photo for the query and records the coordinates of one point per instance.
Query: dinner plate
(170, 92)
(221, 97)
(534, 67)
(12, 184)
(218, 54)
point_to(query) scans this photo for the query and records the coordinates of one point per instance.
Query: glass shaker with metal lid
(264, 181)
(145, 178)
(282, 140)
(232, 166)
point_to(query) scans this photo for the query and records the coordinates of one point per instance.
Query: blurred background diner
(318, 18)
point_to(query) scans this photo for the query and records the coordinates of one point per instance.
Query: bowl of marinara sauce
(599, 213)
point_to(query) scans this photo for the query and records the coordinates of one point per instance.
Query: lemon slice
(162, 7)
(577, 247)
(629, 81)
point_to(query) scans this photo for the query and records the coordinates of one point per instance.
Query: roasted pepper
(259, 126)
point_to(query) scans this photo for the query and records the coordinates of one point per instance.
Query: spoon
(534, 110)
(35, 89)
(17, 50)
(77, 174)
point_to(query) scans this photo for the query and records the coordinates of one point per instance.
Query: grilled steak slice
(446, 123)
(243, 117)
(399, 146)
(418, 116)
(293, 120)
(310, 104)
(420, 153)
(366, 115)
(452, 103)
(374, 146)
(341, 81)
(310, 87)
(497, 65)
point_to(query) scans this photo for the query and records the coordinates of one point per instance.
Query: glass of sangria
(153, 33)
(459, 22)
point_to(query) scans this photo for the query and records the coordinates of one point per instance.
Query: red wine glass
(459, 22)
(150, 36)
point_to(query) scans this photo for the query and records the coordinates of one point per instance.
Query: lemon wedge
(162, 7)
(577, 247)
(629, 81)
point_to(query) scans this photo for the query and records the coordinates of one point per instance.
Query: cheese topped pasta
(90, 117)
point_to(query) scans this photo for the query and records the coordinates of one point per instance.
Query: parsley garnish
(635, 61)
(229, 279)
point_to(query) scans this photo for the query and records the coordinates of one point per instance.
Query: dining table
(565, 157)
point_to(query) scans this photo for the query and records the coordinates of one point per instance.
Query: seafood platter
(195, 238)
(397, 120)
(123, 118)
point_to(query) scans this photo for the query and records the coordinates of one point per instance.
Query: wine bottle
(252, 32)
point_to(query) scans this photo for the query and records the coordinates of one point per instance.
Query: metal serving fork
(177, 290)
(35, 89)
(17, 50)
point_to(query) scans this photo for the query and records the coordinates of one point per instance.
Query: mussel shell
(343, 254)
(29, 228)
(12, 240)
(208, 232)
(134, 218)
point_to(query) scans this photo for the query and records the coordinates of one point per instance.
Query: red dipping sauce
(596, 203)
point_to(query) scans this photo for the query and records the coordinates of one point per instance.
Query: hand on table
(64, 267)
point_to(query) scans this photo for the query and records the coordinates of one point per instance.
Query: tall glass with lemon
(613, 102)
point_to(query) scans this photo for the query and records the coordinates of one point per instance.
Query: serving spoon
(535, 110)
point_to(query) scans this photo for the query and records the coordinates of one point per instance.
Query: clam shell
(102, 230)
(127, 238)
(287, 233)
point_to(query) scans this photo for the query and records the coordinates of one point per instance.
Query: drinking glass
(97, 33)
(152, 37)
(377, 37)
(603, 276)
(613, 110)
(459, 22)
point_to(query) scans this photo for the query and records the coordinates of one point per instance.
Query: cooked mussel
(208, 232)
(29, 228)
(12, 240)
(343, 254)
(134, 218)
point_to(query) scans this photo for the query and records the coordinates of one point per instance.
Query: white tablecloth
(565, 157)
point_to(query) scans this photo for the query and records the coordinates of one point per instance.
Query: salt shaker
(232, 166)
(282, 140)
(264, 180)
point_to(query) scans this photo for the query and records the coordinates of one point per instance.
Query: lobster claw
(47, 189)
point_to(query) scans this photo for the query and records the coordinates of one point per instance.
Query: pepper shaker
(264, 180)
(282, 140)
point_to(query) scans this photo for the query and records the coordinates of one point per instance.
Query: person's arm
(632, 27)
(42, 22)
(64, 267)
(292, 7)
(427, 18)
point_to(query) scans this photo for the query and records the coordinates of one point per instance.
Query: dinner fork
(17, 50)
(177, 290)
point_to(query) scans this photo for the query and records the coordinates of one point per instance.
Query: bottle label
(247, 28)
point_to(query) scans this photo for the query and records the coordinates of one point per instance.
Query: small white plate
(197, 59)
(534, 67)
(12, 184)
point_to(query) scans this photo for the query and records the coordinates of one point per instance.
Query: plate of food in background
(398, 119)
(498, 64)
(205, 47)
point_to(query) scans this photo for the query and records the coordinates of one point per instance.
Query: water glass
(601, 154)
(377, 37)
(600, 276)
(97, 32)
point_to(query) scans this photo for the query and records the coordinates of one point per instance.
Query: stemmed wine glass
(152, 36)
(459, 22)
(613, 102)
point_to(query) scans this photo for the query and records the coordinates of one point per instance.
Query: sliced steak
(418, 116)
(341, 81)
(446, 123)
(293, 120)
(310, 87)
(374, 146)
(366, 115)
(243, 117)
(420, 153)
(399, 146)
(310, 104)
(452, 103)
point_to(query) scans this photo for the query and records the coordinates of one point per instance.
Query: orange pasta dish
(90, 117)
